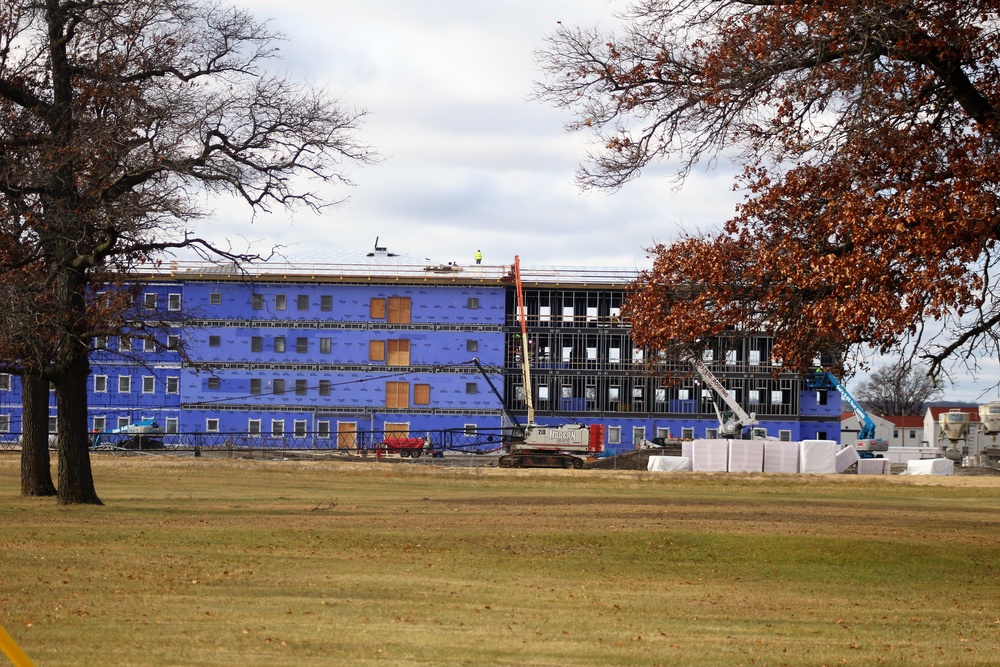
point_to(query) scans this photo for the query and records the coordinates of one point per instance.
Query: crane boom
(522, 317)
(739, 417)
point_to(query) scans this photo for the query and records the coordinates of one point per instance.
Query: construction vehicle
(867, 444)
(542, 446)
(733, 421)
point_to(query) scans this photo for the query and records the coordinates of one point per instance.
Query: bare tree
(898, 390)
(113, 116)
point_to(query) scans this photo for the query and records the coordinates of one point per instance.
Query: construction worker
(479, 257)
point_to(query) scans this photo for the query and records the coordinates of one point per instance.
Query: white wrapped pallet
(710, 455)
(930, 467)
(846, 457)
(781, 456)
(668, 464)
(818, 457)
(874, 466)
(686, 449)
(746, 456)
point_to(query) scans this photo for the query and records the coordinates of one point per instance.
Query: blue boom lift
(867, 444)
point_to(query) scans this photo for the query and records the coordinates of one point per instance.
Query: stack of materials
(781, 456)
(746, 456)
(818, 457)
(710, 455)
(846, 457)
(668, 464)
(930, 467)
(874, 466)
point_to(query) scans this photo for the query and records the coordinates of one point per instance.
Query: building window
(148, 345)
(472, 303)
(257, 302)
(279, 386)
(215, 341)
(776, 397)
(212, 425)
(255, 385)
(170, 425)
(5, 381)
(124, 344)
(256, 343)
(324, 387)
(253, 427)
(323, 429)
(4, 423)
(299, 428)
(173, 342)
(173, 384)
(215, 298)
(149, 301)
(100, 424)
(100, 383)
(472, 346)
(397, 394)
(785, 436)
(277, 427)
(326, 303)
(376, 308)
(302, 302)
(148, 384)
(399, 310)
(301, 387)
(280, 302)
(421, 394)
(122, 423)
(687, 433)
(376, 350)
(470, 430)
(712, 433)
(398, 353)
(638, 434)
(325, 345)
(471, 388)
(124, 384)
(301, 345)
(614, 435)
(279, 343)
(214, 383)
(173, 302)
(100, 342)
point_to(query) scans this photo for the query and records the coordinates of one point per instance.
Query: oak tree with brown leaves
(866, 138)
(114, 117)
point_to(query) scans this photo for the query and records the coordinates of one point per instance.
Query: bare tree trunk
(36, 473)
(76, 480)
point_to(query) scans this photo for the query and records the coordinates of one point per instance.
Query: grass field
(215, 562)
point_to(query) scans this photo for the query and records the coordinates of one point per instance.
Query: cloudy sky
(469, 161)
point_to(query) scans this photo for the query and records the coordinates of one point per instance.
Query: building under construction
(334, 354)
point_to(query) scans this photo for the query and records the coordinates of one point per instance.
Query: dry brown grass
(209, 562)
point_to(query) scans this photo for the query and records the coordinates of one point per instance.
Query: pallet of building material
(846, 457)
(668, 464)
(746, 456)
(874, 466)
(930, 467)
(686, 448)
(781, 456)
(818, 457)
(710, 455)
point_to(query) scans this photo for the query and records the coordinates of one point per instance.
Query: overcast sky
(469, 161)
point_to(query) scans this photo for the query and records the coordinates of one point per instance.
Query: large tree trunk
(76, 480)
(36, 474)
